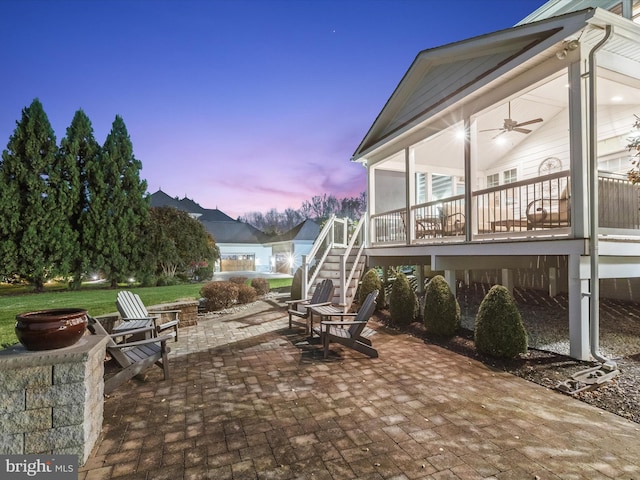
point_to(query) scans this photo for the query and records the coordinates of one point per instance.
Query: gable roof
(441, 76)
(234, 232)
(161, 199)
(553, 8)
(304, 231)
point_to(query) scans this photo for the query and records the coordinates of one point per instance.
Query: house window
(510, 176)
(421, 188)
(493, 180)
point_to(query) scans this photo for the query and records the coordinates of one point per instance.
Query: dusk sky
(239, 105)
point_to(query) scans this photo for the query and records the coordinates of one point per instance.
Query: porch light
(567, 46)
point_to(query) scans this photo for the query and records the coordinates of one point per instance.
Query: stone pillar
(52, 401)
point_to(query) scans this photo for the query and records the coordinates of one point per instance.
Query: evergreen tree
(79, 149)
(33, 225)
(118, 208)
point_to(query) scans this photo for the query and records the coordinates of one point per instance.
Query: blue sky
(239, 105)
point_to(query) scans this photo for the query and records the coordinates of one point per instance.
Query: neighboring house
(289, 247)
(503, 159)
(242, 246)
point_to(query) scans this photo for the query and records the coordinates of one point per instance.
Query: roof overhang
(507, 52)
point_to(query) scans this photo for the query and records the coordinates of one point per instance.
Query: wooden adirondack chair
(353, 334)
(322, 295)
(134, 357)
(135, 315)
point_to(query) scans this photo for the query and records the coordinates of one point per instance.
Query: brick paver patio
(247, 400)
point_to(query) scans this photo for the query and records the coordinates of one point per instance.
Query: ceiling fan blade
(529, 122)
(502, 132)
(522, 130)
(492, 130)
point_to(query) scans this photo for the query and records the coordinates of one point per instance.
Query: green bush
(261, 285)
(238, 280)
(403, 303)
(498, 329)
(203, 273)
(441, 309)
(219, 295)
(296, 285)
(370, 282)
(246, 294)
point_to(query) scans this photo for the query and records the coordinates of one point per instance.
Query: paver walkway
(247, 400)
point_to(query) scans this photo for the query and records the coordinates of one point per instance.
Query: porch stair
(337, 255)
(330, 269)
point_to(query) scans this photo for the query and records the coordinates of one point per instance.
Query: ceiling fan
(511, 125)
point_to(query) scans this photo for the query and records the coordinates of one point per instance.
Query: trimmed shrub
(370, 282)
(261, 285)
(441, 308)
(219, 295)
(498, 329)
(238, 280)
(403, 303)
(296, 285)
(246, 294)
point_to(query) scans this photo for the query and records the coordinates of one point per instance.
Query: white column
(553, 282)
(450, 277)
(578, 310)
(507, 279)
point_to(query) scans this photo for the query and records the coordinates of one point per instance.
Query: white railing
(335, 233)
(357, 240)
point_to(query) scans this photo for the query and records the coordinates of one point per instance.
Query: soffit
(439, 77)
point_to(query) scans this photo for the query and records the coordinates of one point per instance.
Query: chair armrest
(344, 323)
(160, 312)
(147, 341)
(323, 304)
(296, 302)
(154, 318)
(133, 331)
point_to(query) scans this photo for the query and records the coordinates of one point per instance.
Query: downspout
(594, 303)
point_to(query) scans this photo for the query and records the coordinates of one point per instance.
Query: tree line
(80, 207)
(319, 209)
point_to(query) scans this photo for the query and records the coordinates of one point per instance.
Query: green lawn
(97, 301)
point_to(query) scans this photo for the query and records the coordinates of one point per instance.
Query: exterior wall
(52, 401)
(262, 254)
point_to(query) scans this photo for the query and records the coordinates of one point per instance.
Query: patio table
(327, 311)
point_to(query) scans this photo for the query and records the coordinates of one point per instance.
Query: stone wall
(188, 314)
(52, 401)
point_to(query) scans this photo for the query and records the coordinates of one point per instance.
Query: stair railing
(357, 239)
(335, 233)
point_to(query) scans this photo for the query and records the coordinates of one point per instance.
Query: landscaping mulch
(544, 366)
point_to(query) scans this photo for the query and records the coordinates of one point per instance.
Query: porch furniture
(516, 224)
(428, 227)
(453, 220)
(353, 334)
(326, 312)
(549, 212)
(135, 315)
(322, 295)
(132, 357)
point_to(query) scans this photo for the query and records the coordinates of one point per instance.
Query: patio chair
(132, 357)
(353, 334)
(322, 295)
(135, 315)
(550, 212)
(453, 220)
